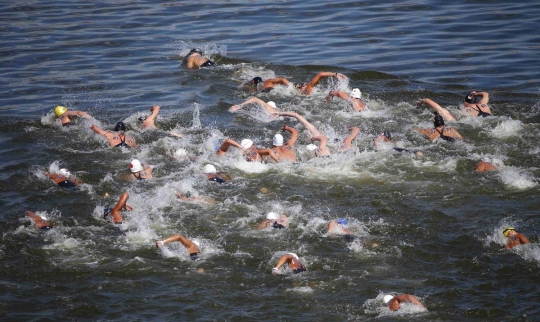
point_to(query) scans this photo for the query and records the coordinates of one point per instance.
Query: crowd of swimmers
(475, 104)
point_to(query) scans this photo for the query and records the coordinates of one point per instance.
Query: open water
(437, 222)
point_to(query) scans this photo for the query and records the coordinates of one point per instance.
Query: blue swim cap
(342, 221)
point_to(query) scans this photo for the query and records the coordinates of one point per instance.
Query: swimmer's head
(195, 51)
(438, 120)
(106, 212)
(299, 86)
(355, 93)
(471, 99)
(59, 110)
(387, 298)
(342, 221)
(277, 140)
(486, 159)
(180, 153)
(120, 126)
(246, 143)
(209, 169)
(387, 134)
(142, 118)
(135, 166)
(65, 172)
(256, 80)
(507, 230)
(272, 104)
(311, 147)
(272, 216)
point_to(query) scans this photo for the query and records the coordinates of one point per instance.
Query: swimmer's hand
(275, 271)
(175, 134)
(235, 108)
(330, 96)
(341, 76)
(159, 244)
(420, 101)
(284, 128)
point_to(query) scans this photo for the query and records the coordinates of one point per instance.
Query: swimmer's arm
(277, 81)
(422, 131)
(78, 113)
(270, 153)
(485, 97)
(294, 134)
(409, 298)
(439, 109)
(523, 239)
(455, 134)
(224, 147)
(347, 142)
(322, 75)
(155, 111)
(99, 131)
(339, 94)
(250, 100)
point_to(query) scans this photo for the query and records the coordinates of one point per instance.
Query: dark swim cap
(438, 120)
(471, 99)
(106, 212)
(299, 85)
(387, 134)
(256, 80)
(142, 118)
(195, 50)
(120, 126)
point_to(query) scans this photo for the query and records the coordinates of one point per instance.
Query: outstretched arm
(225, 146)
(294, 134)
(485, 97)
(270, 153)
(77, 113)
(441, 110)
(99, 131)
(191, 247)
(277, 81)
(409, 298)
(255, 100)
(339, 94)
(347, 142)
(318, 78)
(150, 120)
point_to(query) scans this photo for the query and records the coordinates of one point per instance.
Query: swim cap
(209, 169)
(486, 159)
(342, 221)
(256, 80)
(196, 243)
(471, 99)
(195, 50)
(59, 110)
(106, 212)
(43, 218)
(65, 172)
(278, 140)
(356, 93)
(272, 104)
(311, 147)
(120, 126)
(180, 152)
(507, 230)
(272, 216)
(142, 118)
(295, 256)
(438, 120)
(299, 85)
(135, 166)
(387, 134)
(387, 298)
(246, 143)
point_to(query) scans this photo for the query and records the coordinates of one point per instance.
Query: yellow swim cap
(507, 230)
(59, 110)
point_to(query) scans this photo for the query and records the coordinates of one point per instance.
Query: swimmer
(485, 165)
(247, 147)
(293, 262)
(39, 221)
(270, 106)
(268, 85)
(195, 59)
(353, 97)
(386, 137)
(394, 302)
(338, 227)
(118, 137)
(116, 211)
(66, 116)
(64, 179)
(440, 131)
(307, 88)
(212, 175)
(281, 151)
(138, 172)
(188, 197)
(191, 246)
(316, 135)
(148, 122)
(274, 220)
(471, 106)
(514, 238)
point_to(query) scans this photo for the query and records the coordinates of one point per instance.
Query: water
(437, 223)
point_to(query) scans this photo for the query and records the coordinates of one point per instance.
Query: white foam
(507, 129)
(514, 178)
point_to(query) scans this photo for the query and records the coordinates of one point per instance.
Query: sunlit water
(428, 226)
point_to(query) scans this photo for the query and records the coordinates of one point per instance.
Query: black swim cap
(471, 99)
(299, 85)
(387, 134)
(195, 50)
(120, 126)
(256, 80)
(106, 212)
(142, 118)
(438, 120)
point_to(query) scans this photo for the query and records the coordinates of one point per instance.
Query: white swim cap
(294, 255)
(246, 143)
(278, 140)
(209, 169)
(43, 218)
(197, 243)
(486, 159)
(272, 216)
(180, 152)
(387, 298)
(65, 172)
(272, 104)
(135, 166)
(311, 147)
(356, 93)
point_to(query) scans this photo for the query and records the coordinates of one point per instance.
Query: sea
(427, 225)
